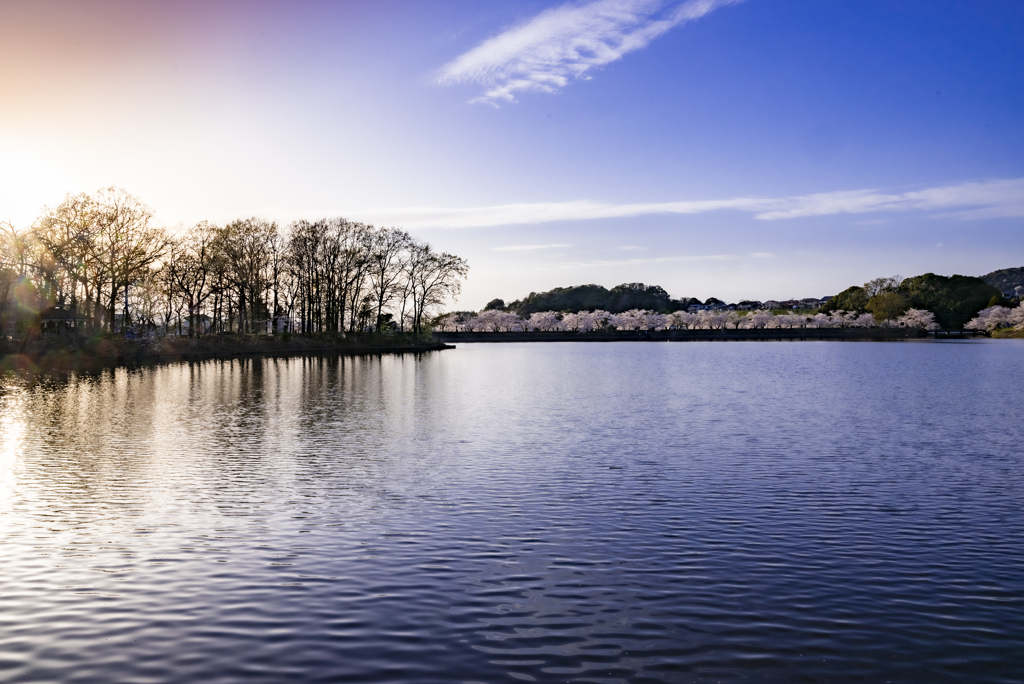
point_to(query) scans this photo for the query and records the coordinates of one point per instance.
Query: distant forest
(578, 298)
(953, 299)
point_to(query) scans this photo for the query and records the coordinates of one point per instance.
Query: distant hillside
(1006, 278)
(953, 299)
(589, 297)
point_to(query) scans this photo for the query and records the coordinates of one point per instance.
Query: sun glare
(29, 180)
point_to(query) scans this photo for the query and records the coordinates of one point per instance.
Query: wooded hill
(596, 297)
(954, 299)
(1006, 279)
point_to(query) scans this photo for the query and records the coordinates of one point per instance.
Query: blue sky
(754, 149)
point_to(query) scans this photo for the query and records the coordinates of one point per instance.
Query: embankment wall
(790, 334)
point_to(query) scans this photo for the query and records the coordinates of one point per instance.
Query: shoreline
(760, 335)
(63, 356)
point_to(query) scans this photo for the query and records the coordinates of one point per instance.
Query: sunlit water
(661, 512)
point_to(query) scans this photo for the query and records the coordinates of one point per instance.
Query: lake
(566, 512)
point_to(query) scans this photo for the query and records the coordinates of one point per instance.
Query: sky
(741, 149)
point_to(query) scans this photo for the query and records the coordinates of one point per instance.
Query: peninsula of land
(60, 354)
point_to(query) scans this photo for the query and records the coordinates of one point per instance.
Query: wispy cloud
(540, 212)
(565, 42)
(527, 248)
(762, 255)
(990, 199)
(973, 200)
(633, 262)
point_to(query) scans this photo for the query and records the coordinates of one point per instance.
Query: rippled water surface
(662, 512)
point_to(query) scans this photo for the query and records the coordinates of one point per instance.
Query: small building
(57, 320)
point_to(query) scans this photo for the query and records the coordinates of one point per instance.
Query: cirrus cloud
(566, 42)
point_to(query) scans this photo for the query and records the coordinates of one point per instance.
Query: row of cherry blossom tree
(997, 317)
(638, 319)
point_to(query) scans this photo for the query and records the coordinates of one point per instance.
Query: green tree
(954, 300)
(590, 297)
(851, 299)
(887, 306)
(575, 298)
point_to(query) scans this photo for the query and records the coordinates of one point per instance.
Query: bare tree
(104, 253)
(14, 252)
(67, 234)
(386, 266)
(882, 285)
(191, 269)
(126, 244)
(434, 278)
(246, 247)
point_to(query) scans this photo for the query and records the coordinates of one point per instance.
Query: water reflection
(12, 432)
(726, 512)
